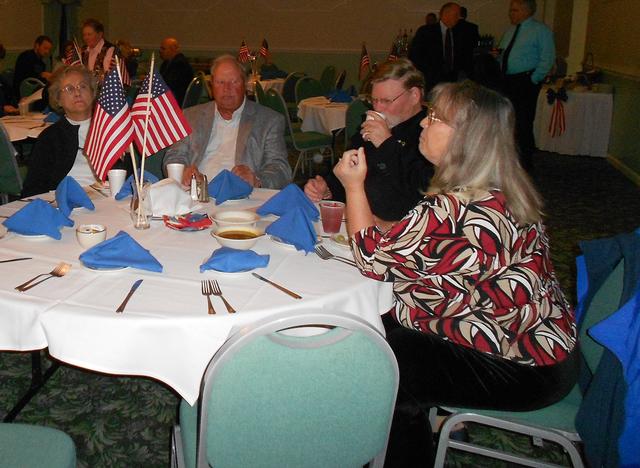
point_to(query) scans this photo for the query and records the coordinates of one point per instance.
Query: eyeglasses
(233, 83)
(70, 89)
(385, 101)
(432, 117)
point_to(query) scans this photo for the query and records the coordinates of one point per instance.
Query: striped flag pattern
(264, 49)
(166, 124)
(243, 53)
(72, 57)
(111, 131)
(124, 73)
(365, 66)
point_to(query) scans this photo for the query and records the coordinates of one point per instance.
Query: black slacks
(435, 372)
(523, 94)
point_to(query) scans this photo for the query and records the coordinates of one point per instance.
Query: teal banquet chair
(307, 87)
(560, 422)
(197, 92)
(289, 93)
(11, 175)
(24, 445)
(354, 118)
(328, 79)
(275, 399)
(306, 143)
(28, 86)
(261, 97)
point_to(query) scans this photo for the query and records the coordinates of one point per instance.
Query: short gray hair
(231, 59)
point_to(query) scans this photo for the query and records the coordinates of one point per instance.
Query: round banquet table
(20, 127)
(318, 114)
(165, 331)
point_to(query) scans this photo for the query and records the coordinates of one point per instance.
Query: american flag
(124, 73)
(393, 54)
(264, 49)
(243, 53)
(166, 124)
(364, 63)
(71, 57)
(111, 130)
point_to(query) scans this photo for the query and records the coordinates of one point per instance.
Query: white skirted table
(165, 331)
(318, 114)
(587, 122)
(22, 127)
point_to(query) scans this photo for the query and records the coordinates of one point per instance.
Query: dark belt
(521, 74)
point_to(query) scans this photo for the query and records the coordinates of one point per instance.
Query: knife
(275, 285)
(15, 260)
(135, 286)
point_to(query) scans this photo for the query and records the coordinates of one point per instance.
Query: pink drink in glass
(331, 213)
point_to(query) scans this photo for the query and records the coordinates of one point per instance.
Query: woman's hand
(351, 169)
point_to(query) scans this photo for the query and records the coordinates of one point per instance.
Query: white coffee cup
(370, 117)
(175, 171)
(116, 180)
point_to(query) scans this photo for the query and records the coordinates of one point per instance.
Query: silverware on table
(99, 191)
(215, 288)
(324, 254)
(59, 271)
(276, 285)
(15, 259)
(207, 290)
(135, 286)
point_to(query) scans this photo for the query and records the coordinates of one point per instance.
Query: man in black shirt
(31, 64)
(175, 68)
(398, 173)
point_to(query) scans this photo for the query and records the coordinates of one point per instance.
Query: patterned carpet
(125, 422)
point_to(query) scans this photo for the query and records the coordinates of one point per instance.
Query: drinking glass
(331, 213)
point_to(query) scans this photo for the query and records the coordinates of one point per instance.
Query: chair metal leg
(38, 379)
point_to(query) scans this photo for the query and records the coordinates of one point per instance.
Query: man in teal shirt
(527, 55)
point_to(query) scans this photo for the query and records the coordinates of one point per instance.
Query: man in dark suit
(175, 68)
(469, 34)
(436, 48)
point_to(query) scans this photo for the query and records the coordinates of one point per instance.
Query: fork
(324, 254)
(59, 271)
(217, 292)
(206, 291)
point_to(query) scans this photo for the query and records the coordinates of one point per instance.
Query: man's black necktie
(448, 50)
(507, 51)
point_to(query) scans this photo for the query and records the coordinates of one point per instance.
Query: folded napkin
(227, 186)
(70, 195)
(120, 251)
(231, 260)
(127, 187)
(286, 200)
(339, 95)
(169, 199)
(51, 117)
(37, 218)
(295, 228)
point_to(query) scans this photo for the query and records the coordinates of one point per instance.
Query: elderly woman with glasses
(58, 152)
(480, 319)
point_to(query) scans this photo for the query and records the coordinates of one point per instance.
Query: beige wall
(20, 23)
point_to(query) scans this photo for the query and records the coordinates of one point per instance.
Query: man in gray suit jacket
(233, 133)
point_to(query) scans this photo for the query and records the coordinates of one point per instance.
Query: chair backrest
(275, 101)
(274, 399)
(353, 119)
(30, 86)
(307, 87)
(289, 86)
(197, 92)
(328, 78)
(260, 95)
(10, 180)
(340, 80)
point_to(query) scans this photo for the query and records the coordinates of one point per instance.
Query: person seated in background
(5, 91)
(398, 174)
(97, 55)
(58, 151)
(175, 69)
(480, 320)
(233, 133)
(31, 64)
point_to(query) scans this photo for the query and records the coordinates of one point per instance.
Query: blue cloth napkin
(339, 95)
(295, 228)
(70, 195)
(120, 251)
(127, 187)
(227, 186)
(233, 260)
(271, 71)
(37, 218)
(286, 200)
(51, 117)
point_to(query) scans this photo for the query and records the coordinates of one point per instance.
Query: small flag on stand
(111, 131)
(393, 54)
(264, 50)
(365, 67)
(243, 53)
(72, 55)
(167, 124)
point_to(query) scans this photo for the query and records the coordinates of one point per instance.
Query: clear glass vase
(140, 207)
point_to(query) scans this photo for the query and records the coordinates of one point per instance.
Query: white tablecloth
(165, 331)
(318, 114)
(23, 127)
(588, 124)
(276, 84)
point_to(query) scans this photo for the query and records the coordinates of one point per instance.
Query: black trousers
(523, 94)
(435, 372)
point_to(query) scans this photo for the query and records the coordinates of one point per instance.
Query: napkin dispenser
(200, 189)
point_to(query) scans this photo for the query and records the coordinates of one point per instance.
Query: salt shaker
(203, 193)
